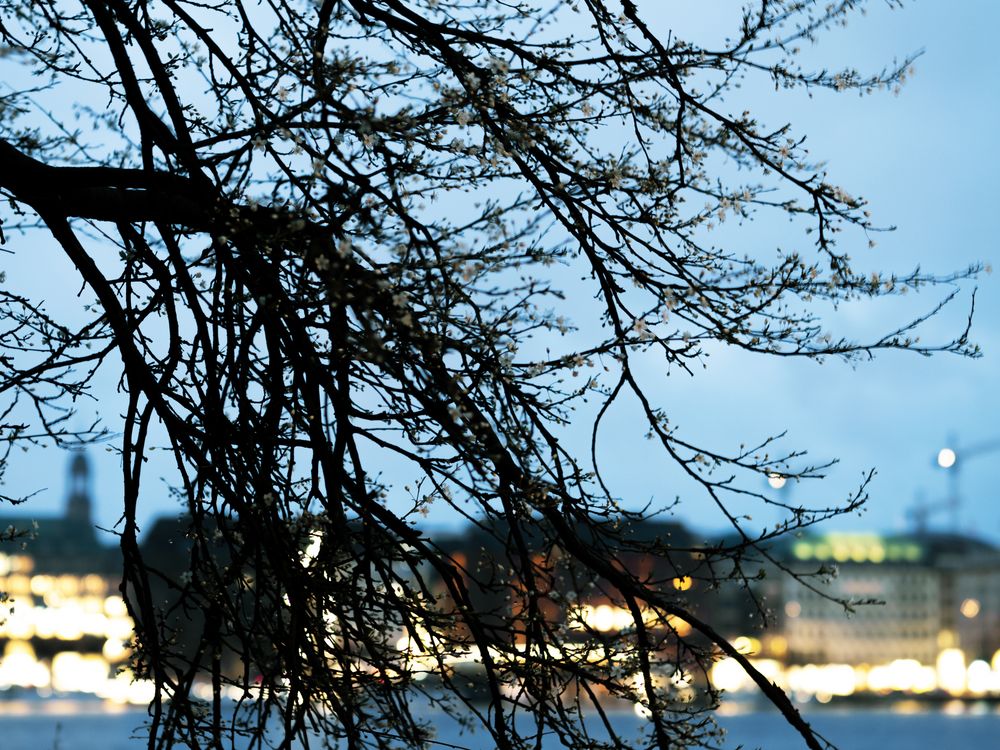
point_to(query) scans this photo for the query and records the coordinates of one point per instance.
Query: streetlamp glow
(969, 608)
(777, 481)
(946, 458)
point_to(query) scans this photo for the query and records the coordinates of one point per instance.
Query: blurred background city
(924, 620)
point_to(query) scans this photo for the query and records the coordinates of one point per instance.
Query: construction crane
(951, 458)
(921, 510)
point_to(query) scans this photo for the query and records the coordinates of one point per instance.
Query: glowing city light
(981, 678)
(778, 646)
(969, 608)
(951, 671)
(606, 618)
(746, 645)
(683, 583)
(902, 675)
(73, 672)
(727, 674)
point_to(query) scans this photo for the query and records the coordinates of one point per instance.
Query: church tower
(78, 498)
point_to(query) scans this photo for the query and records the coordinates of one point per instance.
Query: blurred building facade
(907, 597)
(819, 614)
(926, 602)
(64, 627)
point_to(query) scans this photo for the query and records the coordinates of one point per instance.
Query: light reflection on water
(63, 724)
(62, 707)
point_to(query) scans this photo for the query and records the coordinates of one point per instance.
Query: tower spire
(78, 498)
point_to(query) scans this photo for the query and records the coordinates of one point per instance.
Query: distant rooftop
(925, 547)
(67, 543)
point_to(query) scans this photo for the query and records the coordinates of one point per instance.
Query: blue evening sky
(927, 162)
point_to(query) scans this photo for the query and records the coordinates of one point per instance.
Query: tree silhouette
(437, 236)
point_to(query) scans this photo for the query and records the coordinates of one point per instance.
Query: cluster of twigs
(328, 236)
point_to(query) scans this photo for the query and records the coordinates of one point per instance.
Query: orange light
(683, 583)
(969, 608)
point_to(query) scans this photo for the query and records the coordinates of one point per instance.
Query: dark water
(69, 725)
